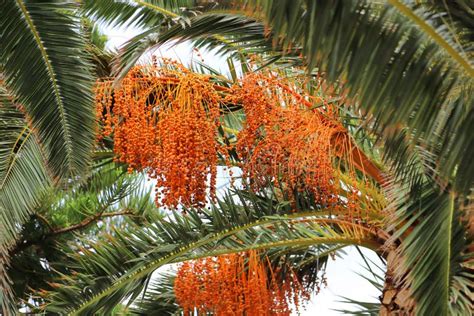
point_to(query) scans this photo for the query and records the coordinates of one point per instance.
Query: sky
(342, 274)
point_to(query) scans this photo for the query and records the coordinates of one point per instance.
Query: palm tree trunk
(395, 298)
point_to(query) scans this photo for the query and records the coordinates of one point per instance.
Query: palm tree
(406, 67)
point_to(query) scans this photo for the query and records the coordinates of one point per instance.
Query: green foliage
(46, 110)
(45, 66)
(158, 299)
(239, 29)
(139, 14)
(434, 252)
(89, 209)
(405, 64)
(23, 177)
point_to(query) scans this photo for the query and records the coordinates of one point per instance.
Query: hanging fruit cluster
(286, 142)
(236, 284)
(164, 120)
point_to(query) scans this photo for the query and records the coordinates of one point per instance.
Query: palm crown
(399, 75)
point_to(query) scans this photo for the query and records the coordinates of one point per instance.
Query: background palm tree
(407, 67)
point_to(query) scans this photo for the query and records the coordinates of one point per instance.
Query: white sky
(341, 274)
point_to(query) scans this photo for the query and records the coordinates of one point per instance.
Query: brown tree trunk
(395, 298)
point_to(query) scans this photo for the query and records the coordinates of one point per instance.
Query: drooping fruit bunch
(236, 284)
(286, 142)
(164, 120)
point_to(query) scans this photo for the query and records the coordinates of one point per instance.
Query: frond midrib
(15, 156)
(52, 74)
(406, 11)
(151, 266)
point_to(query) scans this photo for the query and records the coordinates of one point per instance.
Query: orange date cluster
(236, 284)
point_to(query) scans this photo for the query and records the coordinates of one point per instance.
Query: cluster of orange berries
(286, 142)
(236, 284)
(164, 120)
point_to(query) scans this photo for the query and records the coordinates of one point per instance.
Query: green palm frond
(456, 16)
(433, 255)
(45, 66)
(123, 265)
(445, 22)
(23, 177)
(226, 31)
(140, 14)
(90, 208)
(158, 299)
(95, 45)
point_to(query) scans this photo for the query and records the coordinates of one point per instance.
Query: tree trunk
(395, 298)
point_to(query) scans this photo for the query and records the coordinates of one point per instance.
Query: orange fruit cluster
(236, 284)
(285, 142)
(164, 120)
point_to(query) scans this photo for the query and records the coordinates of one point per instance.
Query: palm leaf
(45, 67)
(159, 299)
(227, 32)
(433, 255)
(123, 265)
(23, 178)
(140, 14)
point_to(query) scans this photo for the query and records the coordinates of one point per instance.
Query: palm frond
(22, 169)
(124, 264)
(456, 16)
(427, 20)
(23, 177)
(432, 255)
(95, 45)
(228, 32)
(44, 63)
(159, 298)
(139, 14)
